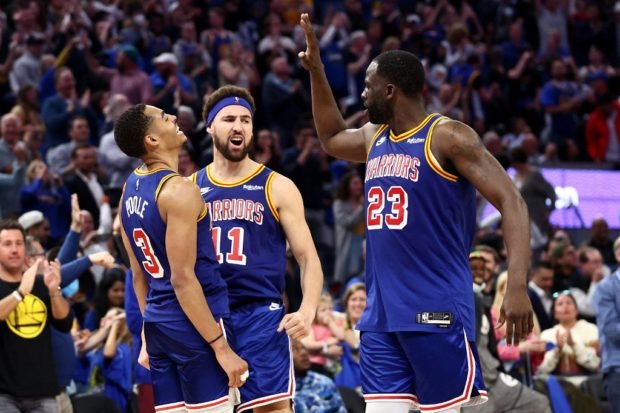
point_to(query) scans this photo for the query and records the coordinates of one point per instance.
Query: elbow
(179, 279)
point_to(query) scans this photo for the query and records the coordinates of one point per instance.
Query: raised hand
(51, 275)
(311, 57)
(77, 220)
(103, 259)
(25, 287)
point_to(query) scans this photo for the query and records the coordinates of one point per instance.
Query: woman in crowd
(573, 343)
(349, 220)
(110, 293)
(45, 192)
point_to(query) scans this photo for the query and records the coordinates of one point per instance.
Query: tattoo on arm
(471, 150)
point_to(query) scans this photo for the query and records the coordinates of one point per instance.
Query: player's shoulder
(177, 188)
(454, 138)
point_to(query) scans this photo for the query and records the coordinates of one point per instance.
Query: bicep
(181, 224)
(472, 160)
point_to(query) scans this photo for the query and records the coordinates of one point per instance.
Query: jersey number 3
(151, 262)
(236, 255)
(396, 218)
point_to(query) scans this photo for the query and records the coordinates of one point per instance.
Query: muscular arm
(336, 139)
(457, 144)
(291, 211)
(181, 240)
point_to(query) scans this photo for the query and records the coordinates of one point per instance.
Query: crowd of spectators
(537, 79)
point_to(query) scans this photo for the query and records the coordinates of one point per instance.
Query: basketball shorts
(432, 371)
(184, 369)
(267, 352)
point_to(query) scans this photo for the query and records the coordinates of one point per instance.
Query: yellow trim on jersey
(272, 206)
(162, 182)
(203, 213)
(405, 135)
(193, 177)
(141, 173)
(232, 184)
(377, 133)
(430, 158)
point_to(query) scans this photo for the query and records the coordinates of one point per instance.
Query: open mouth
(236, 140)
(179, 130)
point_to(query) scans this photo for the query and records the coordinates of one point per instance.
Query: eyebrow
(162, 113)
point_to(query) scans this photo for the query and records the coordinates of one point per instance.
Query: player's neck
(408, 116)
(162, 162)
(227, 171)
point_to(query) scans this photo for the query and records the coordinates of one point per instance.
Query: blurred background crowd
(537, 79)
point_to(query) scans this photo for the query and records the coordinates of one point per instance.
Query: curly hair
(402, 69)
(130, 130)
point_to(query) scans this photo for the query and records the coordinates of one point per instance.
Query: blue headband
(228, 101)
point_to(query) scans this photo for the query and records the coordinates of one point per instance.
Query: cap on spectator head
(166, 58)
(413, 18)
(131, 52)
(30, 219)
(476, 254)
(35, 38)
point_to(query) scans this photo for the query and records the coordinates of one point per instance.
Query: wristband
(17, 295)
(325, 347)
(216, 338)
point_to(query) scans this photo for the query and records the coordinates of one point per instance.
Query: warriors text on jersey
(249, 242)
(420, 225)
(146, 232)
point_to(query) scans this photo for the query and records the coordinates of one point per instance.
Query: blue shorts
(432, 371)
(267, 352)
(185, 372)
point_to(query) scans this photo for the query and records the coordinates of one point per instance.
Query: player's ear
(390, 90)
(151, 141)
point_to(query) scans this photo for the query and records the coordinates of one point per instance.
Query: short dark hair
(224, 92)
(402, 69)
(130, 129)
(75, 118)
(9, 224)
(518, 155)
(79, 147)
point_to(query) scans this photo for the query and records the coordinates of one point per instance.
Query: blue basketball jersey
(420, 225)
(249, 242)
(146, 232)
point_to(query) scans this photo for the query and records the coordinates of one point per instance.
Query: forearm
(516, 229)
(195, 306)
(140, 287)
(311, 283)
(327, 116)
(109, 348)
(7, 305)
(72, 270)
(60, 306)
(69, 249)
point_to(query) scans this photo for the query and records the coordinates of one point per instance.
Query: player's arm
(290, 209)
(456, 144)
(140, 284)
(335, 138)
(181, 244)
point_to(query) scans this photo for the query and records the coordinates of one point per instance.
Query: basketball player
(179, 289)
(254, 212)
(421, 178)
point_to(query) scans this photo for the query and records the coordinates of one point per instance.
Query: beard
(379, 112)
(223, 147)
